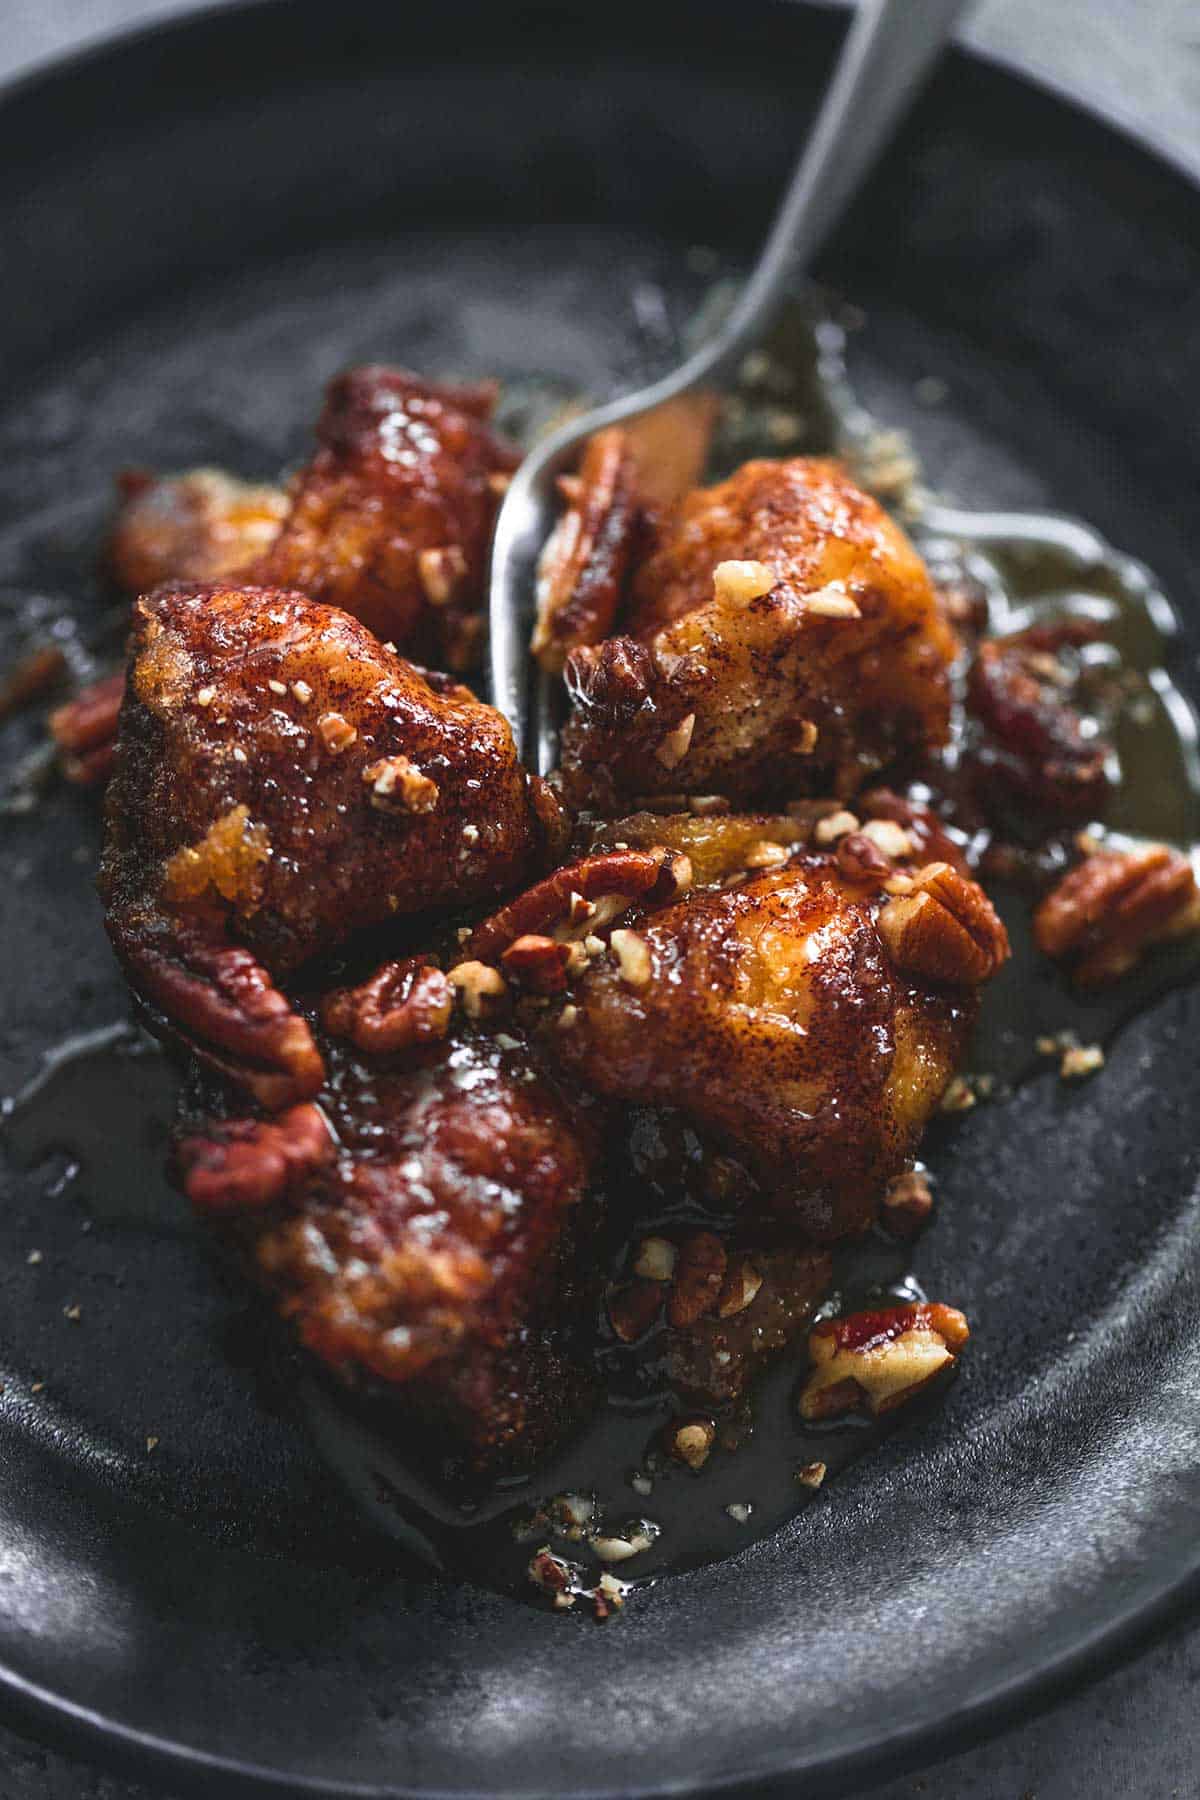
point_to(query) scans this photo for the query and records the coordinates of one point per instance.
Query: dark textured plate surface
(197, 227)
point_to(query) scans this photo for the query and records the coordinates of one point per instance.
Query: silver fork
(890, 47)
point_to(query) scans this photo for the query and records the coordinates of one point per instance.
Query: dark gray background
(1135, 1732)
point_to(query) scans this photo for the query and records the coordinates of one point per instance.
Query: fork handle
(889, 49)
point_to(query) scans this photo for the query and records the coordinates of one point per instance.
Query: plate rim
(1040, 1685)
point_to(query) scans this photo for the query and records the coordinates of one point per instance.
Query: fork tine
(549, 720)
(513, 572)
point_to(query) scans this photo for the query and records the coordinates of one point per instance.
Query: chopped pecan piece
(656, 1259)
(741, 582)
(337, 734)
(699, 1276)
(559, 1579)
(928, 839)
(907, 1203)
(442, 572)
(713, 1360)
(860, 859)
(397, 785)
(889, 838)
(538, 963)
(834, 826)
(633, 1309)
(832, 602)
(946, 929)
(633, 1540)
(480, 986)
(1108, 911)
(674, 746)
(879, 1360)
(739, 1288)
(633, 958)
(690, 1441)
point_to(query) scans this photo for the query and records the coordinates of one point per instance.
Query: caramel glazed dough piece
(424, 1231)
(282, 781)
(391, 520)
(781, 637)
(805, 1001)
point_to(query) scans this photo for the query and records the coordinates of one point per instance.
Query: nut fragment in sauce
(765, 855)
(336, 733)
(738, 1290)
(478, 984)
(907, 1202)
(1079, 1060)
(442, 572)
(674, 747)
(633, 957)
(611, 1548)
(690, 1441)
(889, 837)
(656, 1259)
(879, 1359)
(740, 582)
(397, 785)
(838, 824)
(832, 602)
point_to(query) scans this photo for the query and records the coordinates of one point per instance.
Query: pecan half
(879, 1360)
(946, 929)
(85, 730)
(581, 576)
(1106, 913)
(31, 678)
(1036, 743)
(655, 875)
(402, 1003)
(615, 677)
(245, 1165)
(224, 1005)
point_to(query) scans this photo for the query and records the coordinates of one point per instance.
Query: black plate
(197, 227)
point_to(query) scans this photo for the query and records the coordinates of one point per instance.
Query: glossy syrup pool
(113, 1086)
